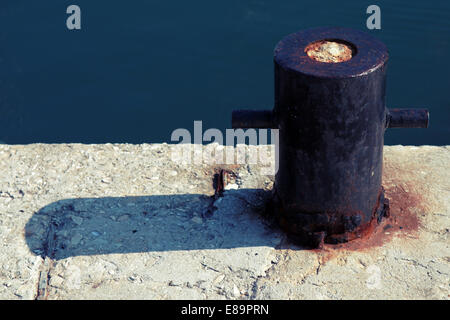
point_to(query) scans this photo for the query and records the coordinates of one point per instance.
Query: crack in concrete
(282, 258)
(319, 266)
(48, 254)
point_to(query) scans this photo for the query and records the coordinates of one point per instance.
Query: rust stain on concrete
(403, 222)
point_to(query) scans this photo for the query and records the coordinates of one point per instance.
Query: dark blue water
(140, 69)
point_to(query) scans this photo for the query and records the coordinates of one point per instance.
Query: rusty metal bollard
(331, 115)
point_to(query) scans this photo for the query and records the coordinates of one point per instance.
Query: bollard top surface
(368, 53)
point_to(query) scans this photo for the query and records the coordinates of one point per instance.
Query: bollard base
(314, 229)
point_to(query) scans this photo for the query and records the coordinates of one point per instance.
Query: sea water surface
(137, 70)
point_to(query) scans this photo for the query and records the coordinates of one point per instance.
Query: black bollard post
(331, 115)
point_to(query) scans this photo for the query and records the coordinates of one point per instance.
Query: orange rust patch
(405, 206)
(329, 51)
(402, 222)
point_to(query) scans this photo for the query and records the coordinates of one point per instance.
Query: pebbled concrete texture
(120, 221)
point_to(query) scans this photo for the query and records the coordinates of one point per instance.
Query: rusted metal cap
(331, 52)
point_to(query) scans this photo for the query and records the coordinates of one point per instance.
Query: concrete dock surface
(121, 221)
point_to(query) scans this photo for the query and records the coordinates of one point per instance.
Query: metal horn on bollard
(331, 115)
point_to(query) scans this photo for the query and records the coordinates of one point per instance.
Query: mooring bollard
(331, 115)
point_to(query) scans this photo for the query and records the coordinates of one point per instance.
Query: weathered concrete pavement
(126, 222)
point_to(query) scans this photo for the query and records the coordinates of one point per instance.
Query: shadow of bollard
(95, 226)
